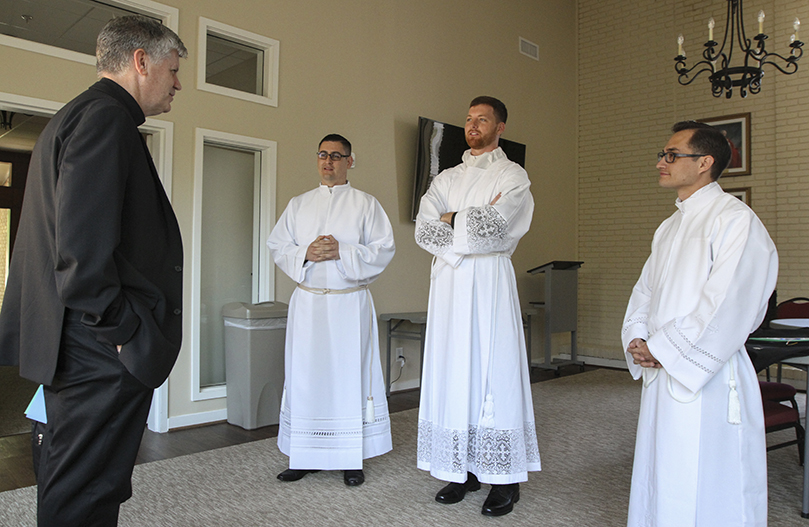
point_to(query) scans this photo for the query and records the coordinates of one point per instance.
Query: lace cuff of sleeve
(487, 230)
(434, 236)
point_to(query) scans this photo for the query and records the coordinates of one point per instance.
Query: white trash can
(254, 362)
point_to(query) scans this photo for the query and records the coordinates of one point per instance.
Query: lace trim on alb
(381, 420)
(487, 230)
(693, 346)
(490, 450)
(683, 353)
(377, 421)
(434, 236)
(326, 433)
(632, 321)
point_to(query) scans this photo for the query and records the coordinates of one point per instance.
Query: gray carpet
(585, 424)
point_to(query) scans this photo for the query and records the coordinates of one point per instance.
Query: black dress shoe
(292, 474)
(353, 478)
(454, 492)
(501, 500)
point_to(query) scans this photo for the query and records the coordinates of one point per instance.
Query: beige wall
(628, 99)
(368, 69)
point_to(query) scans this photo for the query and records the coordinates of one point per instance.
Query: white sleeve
(367, 260)
(432, 234)
(496, 228)
(288, 255)
(693, 347)
(637, 317)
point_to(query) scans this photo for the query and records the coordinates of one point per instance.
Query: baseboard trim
(591, 361)
(401, 386)
(598, 361)
(182, 421)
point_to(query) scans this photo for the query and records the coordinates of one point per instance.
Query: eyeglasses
(671, 157)
(335, 156)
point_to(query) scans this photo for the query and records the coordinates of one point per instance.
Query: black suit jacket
(98, 236)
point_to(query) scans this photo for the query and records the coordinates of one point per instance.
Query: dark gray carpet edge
(586, 430)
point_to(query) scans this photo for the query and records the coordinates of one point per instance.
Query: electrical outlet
(401, 358)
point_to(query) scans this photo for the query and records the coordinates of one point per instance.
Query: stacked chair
(778, 416)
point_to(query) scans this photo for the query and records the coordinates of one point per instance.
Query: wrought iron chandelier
(747, 76)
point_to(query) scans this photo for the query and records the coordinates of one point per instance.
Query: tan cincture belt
(332, 291)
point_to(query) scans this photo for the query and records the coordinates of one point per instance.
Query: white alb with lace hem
(476, 413)
(332, 350)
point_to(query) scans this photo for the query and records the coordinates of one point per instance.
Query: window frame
(269, 46)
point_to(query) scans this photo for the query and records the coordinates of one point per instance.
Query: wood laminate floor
(15, 451)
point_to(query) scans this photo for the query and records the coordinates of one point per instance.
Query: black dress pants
(96, 416)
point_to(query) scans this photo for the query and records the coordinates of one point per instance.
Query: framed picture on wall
(741, 193)
(737, 129)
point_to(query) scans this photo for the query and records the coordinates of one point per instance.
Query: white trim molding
(23, 104)
(617, 364)
(271, 54)
(162, 149)
(263, 210)
(201, 418)
(46, 49)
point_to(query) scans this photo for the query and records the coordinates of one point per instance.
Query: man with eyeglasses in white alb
(700, 452)
(333, 241)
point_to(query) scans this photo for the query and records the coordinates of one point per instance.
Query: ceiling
(67, 24)
(74, 25)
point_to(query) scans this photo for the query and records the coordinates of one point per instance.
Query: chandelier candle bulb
(727, 75)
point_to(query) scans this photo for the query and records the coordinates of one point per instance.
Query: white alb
(476, 412)
(332, 349)
(700, 453)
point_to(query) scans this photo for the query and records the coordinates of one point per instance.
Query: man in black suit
(92, 308)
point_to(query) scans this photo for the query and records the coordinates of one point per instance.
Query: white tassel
(488, 413)
(734, 406)
(369, 403)
(369, 410)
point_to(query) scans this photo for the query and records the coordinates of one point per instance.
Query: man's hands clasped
(641, 354)
(323, 248)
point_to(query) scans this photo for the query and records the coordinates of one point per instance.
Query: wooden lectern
(561, 308)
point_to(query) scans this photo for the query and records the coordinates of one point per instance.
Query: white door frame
(264, 211)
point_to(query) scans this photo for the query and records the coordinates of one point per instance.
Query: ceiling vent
(529, 49)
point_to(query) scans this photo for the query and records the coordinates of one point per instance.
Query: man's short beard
(480, 141)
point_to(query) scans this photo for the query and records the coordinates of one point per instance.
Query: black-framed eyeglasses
(335, 156)
(671, 157)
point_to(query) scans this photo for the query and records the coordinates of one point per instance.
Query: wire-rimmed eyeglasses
(335, 156)
(671, 157)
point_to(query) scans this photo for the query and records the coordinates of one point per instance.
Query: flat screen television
(441, 146)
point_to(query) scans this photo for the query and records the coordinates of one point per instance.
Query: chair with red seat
(778, 416)
(797, 307)
(776, 391)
